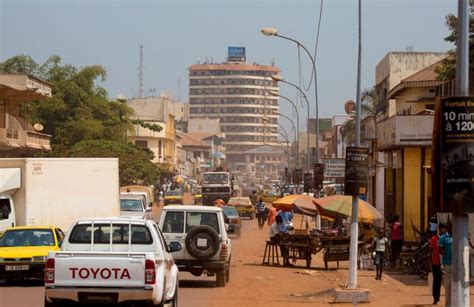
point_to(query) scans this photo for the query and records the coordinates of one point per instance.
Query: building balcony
(13, 138)
(402, 131)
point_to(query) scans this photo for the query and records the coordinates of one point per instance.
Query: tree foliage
(368, 108)
(81, 118)
(447, 69)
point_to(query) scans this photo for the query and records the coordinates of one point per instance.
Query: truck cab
(216, 185)
(10, 182)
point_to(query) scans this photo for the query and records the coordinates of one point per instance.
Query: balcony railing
(13, 138)
(414, 130)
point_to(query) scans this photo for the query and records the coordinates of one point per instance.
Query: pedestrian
(445, 243)
(396, 232)
(379, 247)
(271, 215)
(436, 263)
(260, 206)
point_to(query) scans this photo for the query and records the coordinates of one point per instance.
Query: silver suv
(202, 232)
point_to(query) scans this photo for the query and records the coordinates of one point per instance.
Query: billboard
(318, 176)
(333, 168)
(357, 165)
(236, 54)
(457, 154)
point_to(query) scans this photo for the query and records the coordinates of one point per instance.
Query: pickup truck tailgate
(92, 269)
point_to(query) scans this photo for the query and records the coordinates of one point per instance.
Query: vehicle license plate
(17, 267)
(201, 242)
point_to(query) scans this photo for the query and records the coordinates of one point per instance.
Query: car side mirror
(175, 247)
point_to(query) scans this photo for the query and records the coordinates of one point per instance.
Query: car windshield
(216, 178)
(230, 211)
(173, 193)
(134, 205)
(27, 237)
(194, 219)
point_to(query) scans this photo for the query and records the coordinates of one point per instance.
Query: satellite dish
(38, 127)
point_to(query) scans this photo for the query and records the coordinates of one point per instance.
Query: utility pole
(460, 256)
(355, 203)
(140, 74)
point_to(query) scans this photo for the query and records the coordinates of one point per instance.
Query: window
(141, 144)
(174, 222)
(27, 237)
(131, 205)
(82, 234)
(194, 219)
(5, 208)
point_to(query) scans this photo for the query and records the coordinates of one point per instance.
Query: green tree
(368, 108)
(135, 166)
(80, 108)
(447, 69)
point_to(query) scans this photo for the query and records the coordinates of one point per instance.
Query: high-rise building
(237, 93)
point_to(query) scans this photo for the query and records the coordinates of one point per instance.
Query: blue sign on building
(236, 51)
(236, 54)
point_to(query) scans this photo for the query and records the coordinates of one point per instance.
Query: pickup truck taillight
(223, 252)
(49, 271)
(150, 271)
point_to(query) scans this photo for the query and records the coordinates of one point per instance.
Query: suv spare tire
(202, 242)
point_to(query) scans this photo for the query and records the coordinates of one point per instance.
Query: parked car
(243, 205)
(234, 221)
(173, 197)
(269, 196)
(134, 205)
(202, 232)
(23, 251)
(112, 260)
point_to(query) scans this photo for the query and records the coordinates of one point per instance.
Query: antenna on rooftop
(140, 74)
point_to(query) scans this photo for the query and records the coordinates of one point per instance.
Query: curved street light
(275, 93)
(274, 32)
(279, 78)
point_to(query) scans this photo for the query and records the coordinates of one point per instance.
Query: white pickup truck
(112, 261)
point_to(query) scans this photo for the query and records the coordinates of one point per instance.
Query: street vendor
(278, 234)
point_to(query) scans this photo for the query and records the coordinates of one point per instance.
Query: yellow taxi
(198, 196)
(173, 197)
(23, 250)
(243, 205)
(269, 196)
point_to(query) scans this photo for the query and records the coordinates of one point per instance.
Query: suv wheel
(199, 233)
(220, 278)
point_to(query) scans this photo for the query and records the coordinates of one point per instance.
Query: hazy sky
(178, 33)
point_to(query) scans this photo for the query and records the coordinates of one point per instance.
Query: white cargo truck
(57, 191)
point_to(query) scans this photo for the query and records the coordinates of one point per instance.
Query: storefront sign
(318, 176)
(357, 159)
(457, 154)
(333, 168)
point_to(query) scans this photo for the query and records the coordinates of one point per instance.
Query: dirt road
(253, 285)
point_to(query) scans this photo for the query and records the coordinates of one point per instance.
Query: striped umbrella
(341, 205)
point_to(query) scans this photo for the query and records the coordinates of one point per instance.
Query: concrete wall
(399, 65)
(211, 125)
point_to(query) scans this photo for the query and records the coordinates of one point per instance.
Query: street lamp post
(274, 32)
(275, 93)
(280, 79)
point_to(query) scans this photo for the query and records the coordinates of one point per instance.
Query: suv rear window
(194, 219)
(81, 234)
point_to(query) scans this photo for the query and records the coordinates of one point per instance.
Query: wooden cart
(301, 247)
(336, 249)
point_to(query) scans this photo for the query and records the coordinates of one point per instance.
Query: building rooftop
(205, 135)
(235, 66)
(425, 77)
(191, 141)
